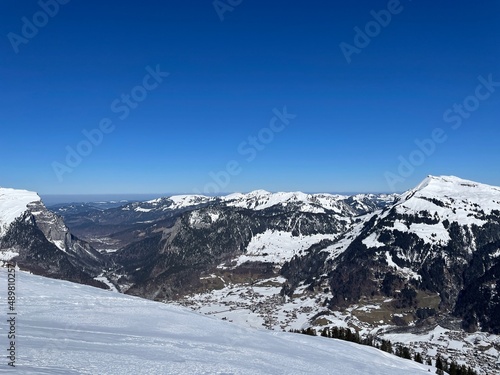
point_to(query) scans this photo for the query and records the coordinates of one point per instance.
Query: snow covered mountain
(65, 328)
(441, 238)
(432, 257)
(39, 240)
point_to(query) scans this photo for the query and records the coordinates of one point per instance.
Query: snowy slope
(13, 203)
(441, 200)
(426, 213)
(279, 247)
(66, 328)
(175, 202)
(452, 198)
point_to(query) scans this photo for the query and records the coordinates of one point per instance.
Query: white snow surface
(278, 247)
(408, 272)
(66, 328)
(7, 255)
(460, 198)
(141, 209)
(181, 201)
(13, 203)
(372, 241)
(446, 198)
(176, 202)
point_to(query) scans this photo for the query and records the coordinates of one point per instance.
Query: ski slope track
(66, 328)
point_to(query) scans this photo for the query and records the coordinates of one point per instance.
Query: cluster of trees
(453, 368)
(401, 351)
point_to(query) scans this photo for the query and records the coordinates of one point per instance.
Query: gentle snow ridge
(66, 328)
(261, 199)
(255, 200)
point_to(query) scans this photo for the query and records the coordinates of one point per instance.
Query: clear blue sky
(353, 120)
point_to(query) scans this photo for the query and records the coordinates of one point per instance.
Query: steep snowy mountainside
(278, 247)
(38, 240)
(438, 242)
(13, 203)
(453, 199)
(66, 328)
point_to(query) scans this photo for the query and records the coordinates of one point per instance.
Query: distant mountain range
(428, 257)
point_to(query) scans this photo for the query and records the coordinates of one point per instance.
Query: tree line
(347, 334)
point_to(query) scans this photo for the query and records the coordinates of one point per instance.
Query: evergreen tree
(309, 331)
(453, 370)
(399, 351)
(406, 353)
(386, 346)
(335, 333)
(445, 366)
(418, 358)
(439, 365)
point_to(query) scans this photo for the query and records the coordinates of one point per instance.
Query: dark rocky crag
(45, 246)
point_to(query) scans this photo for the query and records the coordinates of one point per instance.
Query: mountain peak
(259, 192)
(443, 180)
(442, 185)
(452, 198)
(13, 203)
